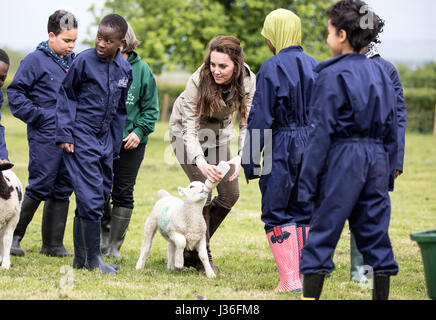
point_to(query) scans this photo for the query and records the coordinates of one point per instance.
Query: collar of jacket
(292, 48)
(64, 62)
(133, 57)
(117, 60)
(334, 60)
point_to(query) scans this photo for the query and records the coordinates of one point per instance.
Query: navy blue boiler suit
(280, 104)
(3, 150)
(401, 107)
(32, 98)
(350, 161)
(91, 113)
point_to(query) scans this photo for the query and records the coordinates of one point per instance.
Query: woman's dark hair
(361, 24)
(61, 20)
(117, 22)
(209, 96)
(4, 56)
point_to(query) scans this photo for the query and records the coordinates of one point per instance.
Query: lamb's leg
(6, 235)
(171, 252)
(202, 254)
(149, 231)
(180, 244)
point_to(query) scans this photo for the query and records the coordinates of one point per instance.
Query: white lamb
(181, 223)
(11, 197)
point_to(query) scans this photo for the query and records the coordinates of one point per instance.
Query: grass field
(240, 248)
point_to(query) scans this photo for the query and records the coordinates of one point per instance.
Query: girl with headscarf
(279, 119)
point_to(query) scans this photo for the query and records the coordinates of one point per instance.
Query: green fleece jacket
(142, 100)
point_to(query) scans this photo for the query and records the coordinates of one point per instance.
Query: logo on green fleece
(164, 219)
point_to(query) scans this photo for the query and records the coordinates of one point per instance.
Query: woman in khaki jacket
(201, 127)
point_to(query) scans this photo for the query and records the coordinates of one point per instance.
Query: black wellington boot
(312, 286)
(120, 219)
(54, 221)
(28, 209)
(91, 236)
(380, 290)
(79, 246)
(105, 228)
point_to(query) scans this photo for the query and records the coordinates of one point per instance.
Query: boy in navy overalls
(32, 98)
(350, 162)
(90, 117)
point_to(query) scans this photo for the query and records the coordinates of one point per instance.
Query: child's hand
(397, 173)
(68, 147)
(132, 141)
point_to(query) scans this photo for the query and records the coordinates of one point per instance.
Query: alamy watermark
(367, 20)
(257, 149)
(66, 282)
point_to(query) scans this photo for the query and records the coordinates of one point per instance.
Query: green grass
(240, 247)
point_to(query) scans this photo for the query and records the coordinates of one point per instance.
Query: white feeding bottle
(224, 167)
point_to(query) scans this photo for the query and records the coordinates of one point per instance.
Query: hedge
(421, 104)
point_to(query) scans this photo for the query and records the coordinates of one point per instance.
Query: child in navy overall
(357, 270)
(280, 104)
(350, 161)
(91, 113)
(32, 99)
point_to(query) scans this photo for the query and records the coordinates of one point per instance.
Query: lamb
(11, 197)
(181, 223)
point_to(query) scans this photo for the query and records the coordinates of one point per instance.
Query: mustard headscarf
(283, 28)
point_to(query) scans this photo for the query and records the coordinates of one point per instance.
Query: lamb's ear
(182, 191)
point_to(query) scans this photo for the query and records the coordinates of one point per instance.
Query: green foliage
(420, 93)
(421, 104)
(422, 77)
(175, 33)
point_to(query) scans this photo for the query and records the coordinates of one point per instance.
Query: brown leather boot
(191, 258)
(213, 217)
(217, 216)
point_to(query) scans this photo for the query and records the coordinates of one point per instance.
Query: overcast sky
(410, 32)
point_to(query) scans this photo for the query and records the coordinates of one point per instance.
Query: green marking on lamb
(164, 219)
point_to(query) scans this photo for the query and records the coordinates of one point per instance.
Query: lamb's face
(195, 192)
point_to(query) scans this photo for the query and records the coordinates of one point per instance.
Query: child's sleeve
(391, 144)
(261, 118)
(66, 104)
(149, 113)
(3, 150)
(20, 103)
(401, 117)
(119, 120)
(325, 99)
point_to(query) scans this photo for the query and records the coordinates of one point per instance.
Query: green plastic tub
(427, 243)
